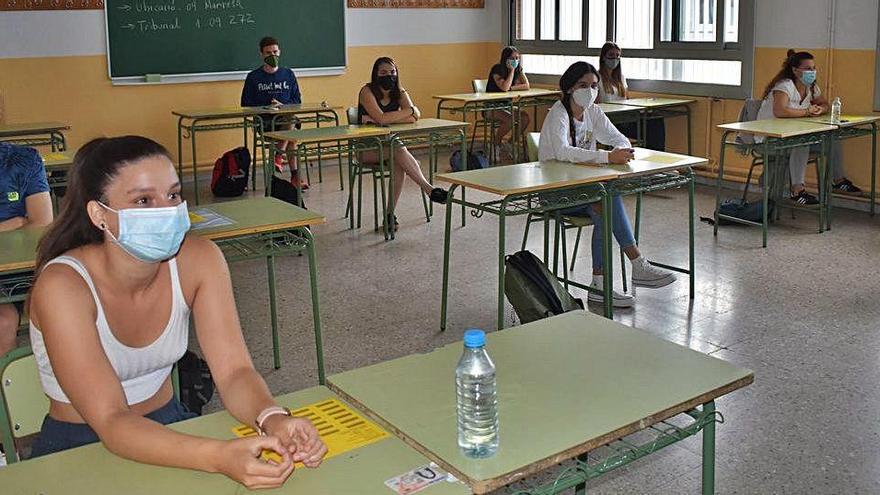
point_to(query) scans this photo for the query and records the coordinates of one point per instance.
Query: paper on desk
(418, 479)
(205, 218)
(659, 158)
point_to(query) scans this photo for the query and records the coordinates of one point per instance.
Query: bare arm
(407, 105)
(821, 102)
(12, 223)
(39, 213)
(522, 83)
(368, 100)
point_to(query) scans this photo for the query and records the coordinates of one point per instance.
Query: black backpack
(475, 159)
(196, 382)
(753, 212)
(534, 292)
(282, 189)
(230, 177)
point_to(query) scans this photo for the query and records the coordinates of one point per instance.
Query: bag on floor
(475, 159)
(285, 191)
(752, 212)
(230, 177)
(533, 291)
(196, 382)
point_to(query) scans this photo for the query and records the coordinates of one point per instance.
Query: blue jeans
(620, 227)
(56, 436)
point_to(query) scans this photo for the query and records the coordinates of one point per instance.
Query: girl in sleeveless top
(384, 101)
(117, 279)
(508, 75)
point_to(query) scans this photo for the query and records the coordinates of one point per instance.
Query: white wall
(67, 33)
(805, 23)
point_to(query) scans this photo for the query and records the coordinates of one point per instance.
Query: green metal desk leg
(687, 109)
(432, 160)
(444, 296)
(709, 451)
(463, 154)
(873, 168)
(501, 251)
(273, 311)
(691, 219)
(316, 308)
(720, 177)
(514, 129)
(824, 170)
(299, 156)
(388, 210)
(765, 191)
(607, 268)
(581, 488)
(350, 207)
(463, 207)
(195, 164)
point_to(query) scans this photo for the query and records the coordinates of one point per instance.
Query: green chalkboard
(178, 37)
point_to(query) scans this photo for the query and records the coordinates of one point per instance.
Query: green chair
(489, 126)
(23, 405)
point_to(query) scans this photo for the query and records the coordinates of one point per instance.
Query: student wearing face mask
(384, 101)
(613, 89)
(508, 75)
(273, 85)
(792, 93)
(117, 281)
(570, 132)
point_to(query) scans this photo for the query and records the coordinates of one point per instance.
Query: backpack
(231, 171)
(196, 383)
(533, 291)
(475, 159)
(753, 212)
(282, 189)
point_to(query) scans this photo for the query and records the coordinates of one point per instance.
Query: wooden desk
(524, 189)
(259, 228)
(566, 385)
(661, 108)
(192, 121)
(36, 134)
(777, 135)
(93, 469)
(57, 163)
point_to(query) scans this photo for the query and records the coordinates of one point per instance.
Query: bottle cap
(474, 338)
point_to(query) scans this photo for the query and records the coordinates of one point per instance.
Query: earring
(103, 226)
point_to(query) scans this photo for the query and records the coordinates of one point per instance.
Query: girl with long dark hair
(117, 281)
(793, 93)
(384, 101)
(507, 75)
(570, 132)
(613, 89)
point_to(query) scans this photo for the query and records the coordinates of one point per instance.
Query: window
(699, 47)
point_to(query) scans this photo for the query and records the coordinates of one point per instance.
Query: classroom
(522, 247)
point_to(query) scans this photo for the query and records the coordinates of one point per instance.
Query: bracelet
(268, 413)
(412, 111)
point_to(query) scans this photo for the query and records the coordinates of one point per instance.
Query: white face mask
(585, 97)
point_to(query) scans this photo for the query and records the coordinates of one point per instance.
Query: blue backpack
(475, 159)
(753, 212)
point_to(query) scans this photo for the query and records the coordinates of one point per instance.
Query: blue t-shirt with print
(260, 88)
(21, 175)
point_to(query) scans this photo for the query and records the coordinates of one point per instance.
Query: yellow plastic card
(341, 428)
(195, 218)
(54, 156)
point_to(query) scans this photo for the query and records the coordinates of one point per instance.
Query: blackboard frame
(219, 76)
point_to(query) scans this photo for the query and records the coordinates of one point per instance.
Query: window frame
(742, 50)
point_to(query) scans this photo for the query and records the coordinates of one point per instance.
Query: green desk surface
(528, 177)
(334, 133)
(250, 216)
(427, 125)
(476, 97)
(233, 111)
(655, 102)
(58, 160)
(25, 128)
(94, 470)
(778, 128)
(850, 120)
(649, 162)
(611, 108)
(566, 385)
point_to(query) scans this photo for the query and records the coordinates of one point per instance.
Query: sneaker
(804, 198)
(618, 300)
(845, 186)
(392, 220)
(644, 274)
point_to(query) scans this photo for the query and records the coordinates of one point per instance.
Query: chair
(489, 126)
(357, 168)
(22, 402)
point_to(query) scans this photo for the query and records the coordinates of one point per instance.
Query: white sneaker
(618, 300)
(644, 274)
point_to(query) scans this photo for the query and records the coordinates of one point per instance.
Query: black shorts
(274, 122)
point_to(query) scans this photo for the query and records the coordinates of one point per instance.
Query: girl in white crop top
(117, 279)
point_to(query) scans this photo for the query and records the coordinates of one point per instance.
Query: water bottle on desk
(477, 404)
(835, 110)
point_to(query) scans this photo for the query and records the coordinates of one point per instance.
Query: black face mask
(387, 82)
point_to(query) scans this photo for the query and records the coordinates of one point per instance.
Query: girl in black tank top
(507, 75)
(399, 109)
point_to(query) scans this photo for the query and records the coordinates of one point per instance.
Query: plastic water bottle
(476, 400)
(835, 110)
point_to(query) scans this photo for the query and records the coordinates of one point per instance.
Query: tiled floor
(803, 314)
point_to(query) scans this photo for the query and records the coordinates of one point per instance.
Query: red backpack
(231, 172)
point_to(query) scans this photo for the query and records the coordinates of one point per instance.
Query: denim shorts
(56, 436)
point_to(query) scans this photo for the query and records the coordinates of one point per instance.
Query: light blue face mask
(808, 77)
(151, 235)
(514, 63)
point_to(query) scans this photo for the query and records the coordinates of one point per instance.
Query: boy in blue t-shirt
(272, 85)
(24, 201)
